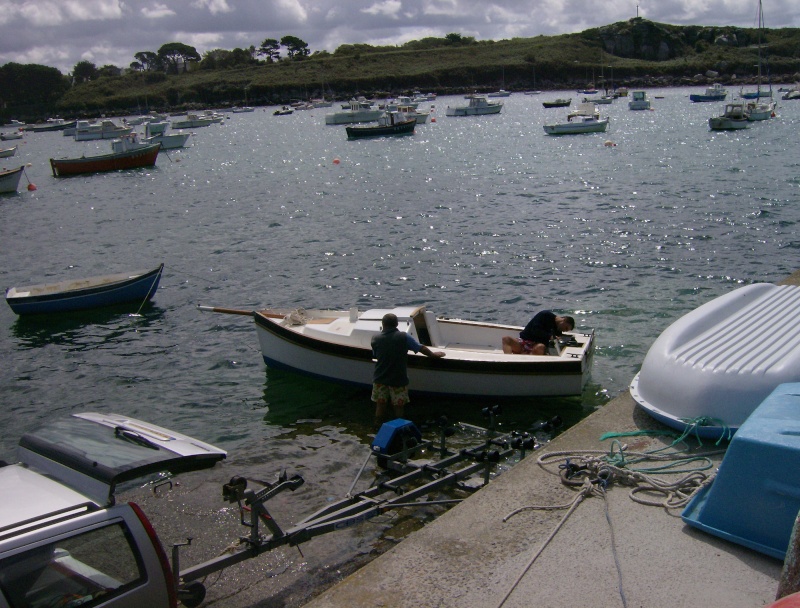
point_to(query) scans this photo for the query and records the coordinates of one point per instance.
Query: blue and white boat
(711, 368)
(716, 92)
(82, 294)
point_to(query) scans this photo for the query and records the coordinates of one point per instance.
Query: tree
(173, 54)
(270, 48)
(84, 71)
(149, 60)
(295, 48)
(30, 84)
(109, 70)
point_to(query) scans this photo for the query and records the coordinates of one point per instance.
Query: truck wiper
(134, 437)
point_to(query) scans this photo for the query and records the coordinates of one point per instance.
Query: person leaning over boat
(534, 339)
(390, 379)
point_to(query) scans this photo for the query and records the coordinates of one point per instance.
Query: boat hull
(403, 128)
(349, 117)
(132, 159)
(84, 294)
(705, 98)
(723, 123)
(715, 364)
(8, 152)
(590, 126)
(464, 371)
(474, 111)
(9, 180)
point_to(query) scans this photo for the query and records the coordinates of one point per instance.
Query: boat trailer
(394, 445)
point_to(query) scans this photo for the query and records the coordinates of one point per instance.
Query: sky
(60, 33)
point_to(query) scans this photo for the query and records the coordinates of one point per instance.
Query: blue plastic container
(389, 439)
(755, 497)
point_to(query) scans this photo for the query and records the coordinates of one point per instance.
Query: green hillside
(632, 53)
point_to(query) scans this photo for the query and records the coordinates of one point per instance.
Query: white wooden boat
(9, 135)
(732, 118)
(717, 363)
(9, 180)
(478, 105)
(335, 345)
(8, 152)
(582, 124)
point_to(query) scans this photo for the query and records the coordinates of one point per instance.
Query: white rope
(587, 489)
(592, 476)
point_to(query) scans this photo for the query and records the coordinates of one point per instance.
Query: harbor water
(485, 218)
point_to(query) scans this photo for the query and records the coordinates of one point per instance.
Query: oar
(227, 311)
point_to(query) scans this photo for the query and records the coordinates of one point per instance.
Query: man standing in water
(390, 379)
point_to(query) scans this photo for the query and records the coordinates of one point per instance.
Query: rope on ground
(587, 489)
(592, 471)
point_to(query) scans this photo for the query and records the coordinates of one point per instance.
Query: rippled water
(485, 218)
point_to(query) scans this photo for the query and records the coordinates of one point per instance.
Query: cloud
(214, 7)
(157, 12)
(388, 8)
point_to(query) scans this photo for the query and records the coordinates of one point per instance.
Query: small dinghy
(708, 371)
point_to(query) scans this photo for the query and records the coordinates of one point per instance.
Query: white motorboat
(733, 117)
(713, 366)
(11, 135)
(358, 111)
(639, 101)
(194, 121)
(105, 129)
(478, 105)
(582, 124)
(335, 345)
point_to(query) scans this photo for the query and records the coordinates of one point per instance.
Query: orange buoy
(31, 187)
(433, 119)
(336, 161)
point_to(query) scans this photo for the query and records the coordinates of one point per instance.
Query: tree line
(175, 57)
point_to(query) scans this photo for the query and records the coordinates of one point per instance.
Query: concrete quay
(609, 551)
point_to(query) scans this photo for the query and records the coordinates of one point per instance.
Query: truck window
(82, 570)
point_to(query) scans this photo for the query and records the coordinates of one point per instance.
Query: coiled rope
(593, 471)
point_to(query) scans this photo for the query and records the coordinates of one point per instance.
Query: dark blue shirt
(541, 328)
(390, 348)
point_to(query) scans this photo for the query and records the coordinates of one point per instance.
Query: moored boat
(732, 118)
(391, 123)
(131, 159)
(9, 180)
(8, 152)
(358, 111)
(9, 135)
(105, 129)
(557, 103)
(582, 124)
(711, 368)
(336, 346)
(85, 293)
(479, 105)
(639, 101)
(716, 92)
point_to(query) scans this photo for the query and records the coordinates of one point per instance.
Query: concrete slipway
(470, 557)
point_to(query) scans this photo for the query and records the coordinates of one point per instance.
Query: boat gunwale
(491, 364)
